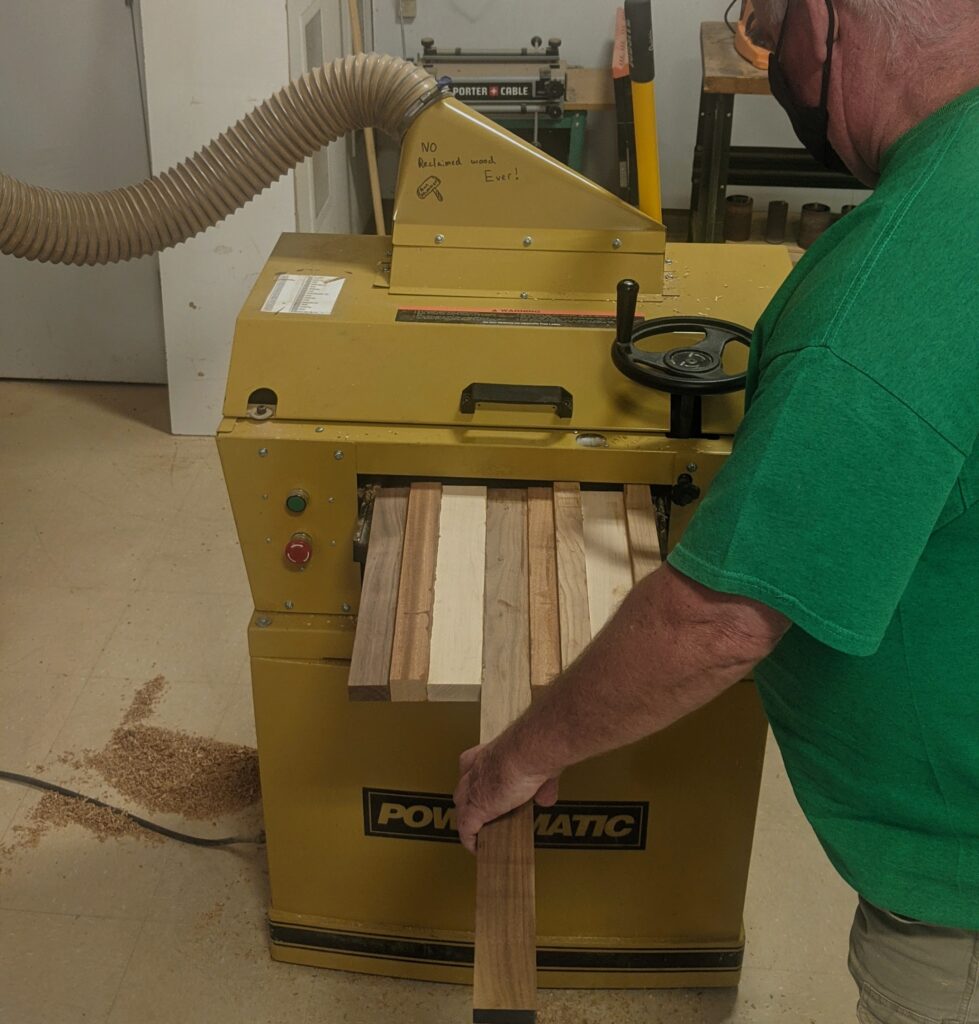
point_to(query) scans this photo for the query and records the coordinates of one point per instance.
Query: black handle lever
(639, 30)
(517, 394)
(627, 298)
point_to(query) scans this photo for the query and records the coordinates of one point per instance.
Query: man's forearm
(672, 647)
(664, 654)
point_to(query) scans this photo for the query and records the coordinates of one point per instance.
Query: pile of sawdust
(159, 770)
(54, 810)
(57, 811)
(25, 837)
(171, 772)
(145, 701)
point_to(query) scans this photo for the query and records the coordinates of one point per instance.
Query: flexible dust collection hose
(366, 90)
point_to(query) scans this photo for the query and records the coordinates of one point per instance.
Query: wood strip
(606, 554)
(505, 966)
(357, 39)
(506, 620)
(644, 549)
(416, 595)
(589, 89)
(571, 572)
(455, 668)
(545, 625)
(370, 662)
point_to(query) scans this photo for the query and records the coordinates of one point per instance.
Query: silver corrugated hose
(366, 90)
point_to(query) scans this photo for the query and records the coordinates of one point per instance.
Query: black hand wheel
(696, 369)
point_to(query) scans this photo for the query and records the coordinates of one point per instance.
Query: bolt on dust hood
(481, 212)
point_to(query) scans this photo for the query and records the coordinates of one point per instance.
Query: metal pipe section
(738, 212)
(365, 90)
(778, 219)
(816, 218)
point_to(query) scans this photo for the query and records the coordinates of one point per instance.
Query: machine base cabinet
(641, 867)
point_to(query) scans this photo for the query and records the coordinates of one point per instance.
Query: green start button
(297, 502)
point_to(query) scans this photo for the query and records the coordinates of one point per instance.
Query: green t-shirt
(851, 505)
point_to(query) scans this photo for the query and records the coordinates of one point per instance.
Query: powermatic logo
(569, 825)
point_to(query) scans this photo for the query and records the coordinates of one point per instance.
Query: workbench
(716, 163)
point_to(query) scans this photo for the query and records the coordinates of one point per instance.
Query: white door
(331, 189)
(72, 118)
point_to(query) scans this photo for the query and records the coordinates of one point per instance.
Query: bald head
(894, 63)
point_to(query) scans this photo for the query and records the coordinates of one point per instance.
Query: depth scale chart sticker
(305, 294)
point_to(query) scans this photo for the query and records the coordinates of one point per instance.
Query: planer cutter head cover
(479, 211)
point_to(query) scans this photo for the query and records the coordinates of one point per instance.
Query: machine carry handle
(517, 394)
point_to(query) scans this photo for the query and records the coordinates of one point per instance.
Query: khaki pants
(912, 973)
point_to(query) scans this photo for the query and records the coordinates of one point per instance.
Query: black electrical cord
(180, 837)
(727, 20)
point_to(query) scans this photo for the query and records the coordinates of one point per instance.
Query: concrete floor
(118, 562)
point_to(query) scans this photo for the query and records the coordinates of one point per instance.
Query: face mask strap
(781, 31)
(830, 46)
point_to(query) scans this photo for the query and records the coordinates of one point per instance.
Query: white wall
(207, 63)
(332, 188)
(71, 119)
(586, 27)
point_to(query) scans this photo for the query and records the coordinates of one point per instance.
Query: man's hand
(673, 646)
(490, 785)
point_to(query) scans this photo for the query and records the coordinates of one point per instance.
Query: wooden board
(357, 39)
(725, 70)
(416, 595)
(455, 666)
(370, 662)
(424, 630)
(505, 966)
(571, 572)
(506, 621)
(609, 567)
(644, 549)
(590, 89)
(545, 626)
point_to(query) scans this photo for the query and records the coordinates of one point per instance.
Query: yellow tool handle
(642, 73)
(647, 149)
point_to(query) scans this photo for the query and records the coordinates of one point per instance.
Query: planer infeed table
(473, 349)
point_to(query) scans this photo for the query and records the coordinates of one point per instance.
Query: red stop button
(299, 550)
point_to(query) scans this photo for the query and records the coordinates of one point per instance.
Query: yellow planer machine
(475, 347)
(523, 327)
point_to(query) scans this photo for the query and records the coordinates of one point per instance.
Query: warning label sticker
(305, 294)
(507, 318)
